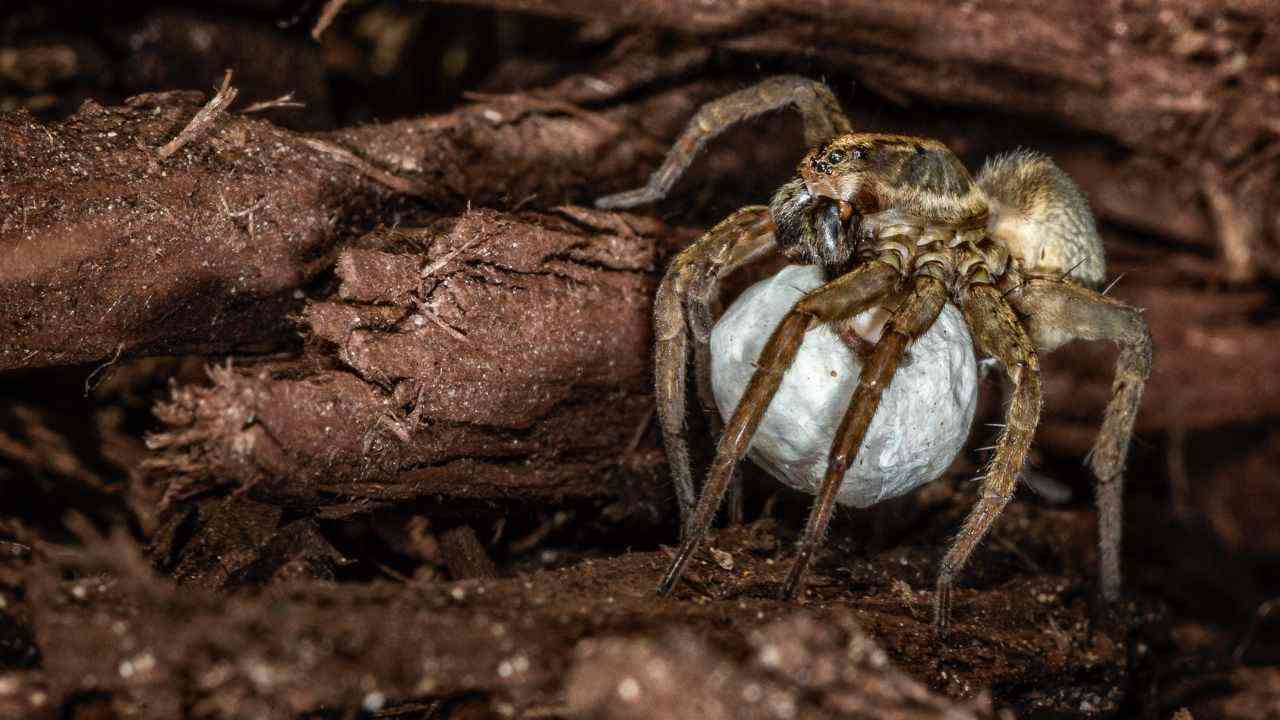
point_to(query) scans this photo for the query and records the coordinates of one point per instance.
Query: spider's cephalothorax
(899, 226)
(902, 200)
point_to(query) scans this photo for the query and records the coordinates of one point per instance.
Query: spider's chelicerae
(896, 223)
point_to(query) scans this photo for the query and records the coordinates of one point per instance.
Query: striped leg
(909, 322)
(843, 297)
(823, 120)
(998, 334)
(690, 281)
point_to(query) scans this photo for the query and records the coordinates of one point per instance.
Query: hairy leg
(997, 333)
(702, 302)
(737, 240)
(912, 318)
(1056, 312)
(823, 120)
(841, 298)
(707, 399)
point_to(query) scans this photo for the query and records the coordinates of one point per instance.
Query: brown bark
(487, 355)
(1119, 69)
(108, 252)
(193, 295)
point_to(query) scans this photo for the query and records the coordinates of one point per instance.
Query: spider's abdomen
(1044, 220)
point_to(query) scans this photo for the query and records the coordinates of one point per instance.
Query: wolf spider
(896, 223)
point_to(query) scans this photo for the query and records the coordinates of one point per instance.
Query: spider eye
(858, 154)
(835, 157)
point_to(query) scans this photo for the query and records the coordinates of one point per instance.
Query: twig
(455, 333)
(435, 266)
(535, 538)
(240, 213)
(204, 119)
(351, 160)
(1236, 227)
(284, 101)
(327, 16)
(537, 102)
(1265, 609)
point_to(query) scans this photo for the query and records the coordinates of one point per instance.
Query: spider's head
(821, 214)
(875, 172)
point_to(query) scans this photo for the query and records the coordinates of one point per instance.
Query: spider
(895, 223)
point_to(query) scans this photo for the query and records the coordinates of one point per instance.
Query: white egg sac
(924, 415)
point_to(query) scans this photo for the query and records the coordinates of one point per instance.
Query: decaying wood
(118, 256)
(105, 252)
(486, 355)
(545, 642)
(426, 352)
(1119, 69)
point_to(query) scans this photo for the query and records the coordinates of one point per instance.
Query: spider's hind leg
(682, 307)
(818, 107)
(1057, 312)
(701, 317)
(997, 333)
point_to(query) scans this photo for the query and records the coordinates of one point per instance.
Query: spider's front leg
(844, 297)
(1057, 312)
(819, 109)
(997, 333)
(682, 308)
(915, 316)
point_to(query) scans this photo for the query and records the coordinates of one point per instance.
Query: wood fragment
(1236, 225)
(517, 372)
(204, 119)
(327, 15)
(284, 101)
(464, 555)
(399, 184)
